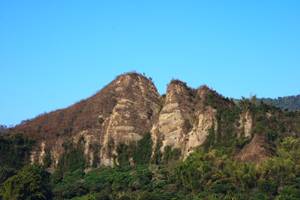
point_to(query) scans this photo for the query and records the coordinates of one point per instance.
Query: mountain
(121, 112)
(129, 108)
(129, 142)
(291, 103)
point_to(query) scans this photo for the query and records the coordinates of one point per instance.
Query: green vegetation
(14, 151)
(205, 174)
(224, 138)
(140, 153)
(31, 182)
(143, 150)
(290, 103)
(216, 176)
(47, 159)
(71, 162)
(209, 173)
(171, 154)
(157, 157)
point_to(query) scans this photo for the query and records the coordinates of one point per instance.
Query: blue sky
(55, 53)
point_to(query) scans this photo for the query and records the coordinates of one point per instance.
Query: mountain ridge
(291, 103)
(125, 110)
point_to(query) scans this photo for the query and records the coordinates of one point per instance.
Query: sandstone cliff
(121, 112)
(130, 107)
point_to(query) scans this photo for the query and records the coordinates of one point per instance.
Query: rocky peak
(178, 91)
(121, 112)
(134, 79)
(138, 105)
(203, 90)
(175, 118)
(129, 108)
(183, 122)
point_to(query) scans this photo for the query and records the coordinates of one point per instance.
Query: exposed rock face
(175, 119)
(197, 136)
(91, 146)
(246, 124)
(256, 151)
(121, 112)
(184, 120)
(38, 155)
(133, 115)
(126, 110)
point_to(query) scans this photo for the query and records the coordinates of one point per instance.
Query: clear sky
(54, 53)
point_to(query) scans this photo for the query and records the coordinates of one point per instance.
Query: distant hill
(3, 129)
(291, 103)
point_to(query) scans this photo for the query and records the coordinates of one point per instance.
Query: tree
(15, 150)
(30, 183)
(142, 153)
(5, 173)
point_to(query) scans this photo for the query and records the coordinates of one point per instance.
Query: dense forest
(205, 174)
(211, 172)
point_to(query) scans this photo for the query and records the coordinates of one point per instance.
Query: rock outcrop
(126, 110)
(184, 121)
(122, 112)
(246, 123)
(138, 104)
(176, 117)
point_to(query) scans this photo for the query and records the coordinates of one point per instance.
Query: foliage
(291, 102)
(5, 173)
(171, 154)
(31, 182)
(157, 156)
(143, 150)
(140, 153)
(72, 159)
(47, 159)
(211, 172)
(69, 186)
(14, 150)
(216, 175)
(205, 174)
(224, 138)
(96, 152)
(124, 152)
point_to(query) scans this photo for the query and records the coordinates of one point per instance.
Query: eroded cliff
(129, 109)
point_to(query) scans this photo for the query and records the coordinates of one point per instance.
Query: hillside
(128, 142)
(3, 129)
(291, 103)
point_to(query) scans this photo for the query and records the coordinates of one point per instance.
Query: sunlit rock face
(175, 118)
(206, 120)
(137, 106)
(184, 121)
(123, 112)
(245, 124)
